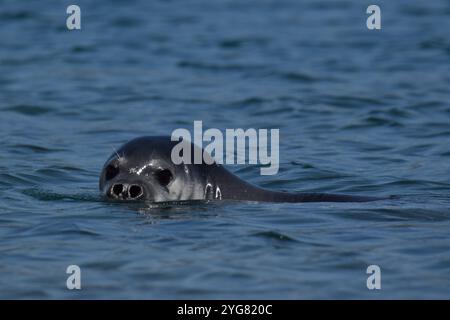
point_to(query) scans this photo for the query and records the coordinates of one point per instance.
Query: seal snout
(126, 191)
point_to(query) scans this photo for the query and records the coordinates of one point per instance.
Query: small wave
(297, 77)
(14, 179)
(373, 121)
(59, 173)
(234, 43)
(275, 235)
(417, 182)
(31, 110)
(83, 48)
(303, 165)
(397, 214)
(33, 148)
(17, 15)
(273, 111)
(58, 228)
(219, 67)
(251, 101)
(44, 195)
(352, 102)
(126, 22)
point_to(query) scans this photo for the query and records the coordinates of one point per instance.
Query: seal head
(142, 169)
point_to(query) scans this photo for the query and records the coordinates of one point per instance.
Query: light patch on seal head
(208, 191)
(218, 193)
(211, 194)
(138, 170)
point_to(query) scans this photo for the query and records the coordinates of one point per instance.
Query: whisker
(117, 154)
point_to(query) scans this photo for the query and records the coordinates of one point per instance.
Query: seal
(142, 169)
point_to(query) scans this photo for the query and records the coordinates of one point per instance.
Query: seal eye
(163, 176)
(111, 172)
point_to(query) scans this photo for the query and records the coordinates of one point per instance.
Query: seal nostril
(117, 189)
(135, 191)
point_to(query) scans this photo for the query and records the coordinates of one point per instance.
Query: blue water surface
(359, 112)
